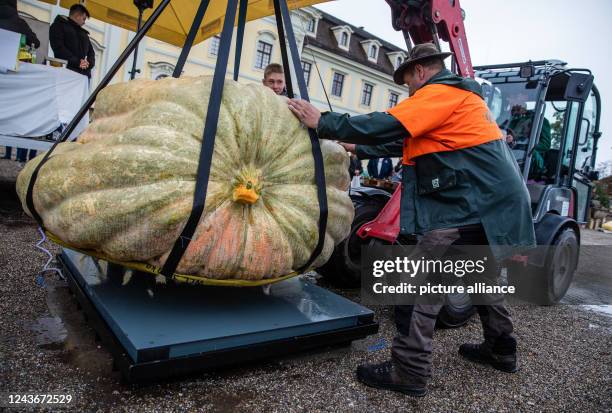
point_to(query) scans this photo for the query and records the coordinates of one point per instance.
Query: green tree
(602, 196)
(556, 128)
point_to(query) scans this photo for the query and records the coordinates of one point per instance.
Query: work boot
(483, 353)
(387, 377)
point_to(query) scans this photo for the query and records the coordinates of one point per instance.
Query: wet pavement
(47, 345)
(592, 284)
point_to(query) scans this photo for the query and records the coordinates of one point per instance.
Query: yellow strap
(181, 278)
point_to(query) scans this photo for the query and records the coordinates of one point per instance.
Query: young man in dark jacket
(70, 41)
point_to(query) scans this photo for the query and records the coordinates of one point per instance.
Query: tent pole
(242, 12)
(193, 31)
(134, 70)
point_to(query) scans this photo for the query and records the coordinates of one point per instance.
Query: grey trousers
(412, 347)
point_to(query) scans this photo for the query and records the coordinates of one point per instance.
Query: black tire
(344, 266)
(561, 265)
(343, 269)
(457, 311)
(458, 308)
(547, 285)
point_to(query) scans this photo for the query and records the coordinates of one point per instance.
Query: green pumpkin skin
(125, 189)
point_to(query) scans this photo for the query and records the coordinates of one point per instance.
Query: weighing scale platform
(182, 329)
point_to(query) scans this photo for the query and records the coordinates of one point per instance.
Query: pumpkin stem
(245, 194)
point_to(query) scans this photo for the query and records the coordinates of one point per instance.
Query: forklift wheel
(547, 285)
(457, 311)
(344, 266)
(561, 265)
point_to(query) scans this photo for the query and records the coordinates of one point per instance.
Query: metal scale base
(183, 329)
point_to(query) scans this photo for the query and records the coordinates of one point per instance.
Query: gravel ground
(46, 347)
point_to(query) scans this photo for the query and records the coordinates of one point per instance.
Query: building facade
(351, 65)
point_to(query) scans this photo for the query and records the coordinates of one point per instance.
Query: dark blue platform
(157, 331)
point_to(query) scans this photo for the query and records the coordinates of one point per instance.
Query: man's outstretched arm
(372, 129)
(393, 149)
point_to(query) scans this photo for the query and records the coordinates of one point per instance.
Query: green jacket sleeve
(545, 137)
(372, 129)
(392, 149)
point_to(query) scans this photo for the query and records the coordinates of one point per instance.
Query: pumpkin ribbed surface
(125, 189)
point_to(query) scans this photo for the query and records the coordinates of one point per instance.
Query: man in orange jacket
(460, 186)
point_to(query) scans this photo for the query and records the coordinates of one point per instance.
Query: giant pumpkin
(125, 189)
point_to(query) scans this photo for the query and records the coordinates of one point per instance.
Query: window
(366, 95)
(373, 50)
(584, 154)
(306, 67)
(568, 146)
(337, 84)
(160, 70)
(311, 25)
(343, 39)
(97, 70)
(213, 49)
(343, 36)
(398, 61)
(393, 98)
(264, 54)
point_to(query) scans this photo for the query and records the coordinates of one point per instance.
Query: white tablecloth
(37, 99)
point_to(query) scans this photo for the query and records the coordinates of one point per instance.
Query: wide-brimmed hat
(418, 53)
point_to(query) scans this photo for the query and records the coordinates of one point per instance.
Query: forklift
(552, 114)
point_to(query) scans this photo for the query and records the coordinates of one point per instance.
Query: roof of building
(326, 40)
(606, 180)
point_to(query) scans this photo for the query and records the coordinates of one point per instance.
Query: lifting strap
(208, 144)
(240, 36)
(283, 19)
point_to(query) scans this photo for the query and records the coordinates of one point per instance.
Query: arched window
(343, 39)
(398, 61)
(373, 51)
(343, 36)
(312, 24)
(160, 70)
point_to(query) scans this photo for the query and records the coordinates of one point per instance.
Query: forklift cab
(550, 115)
